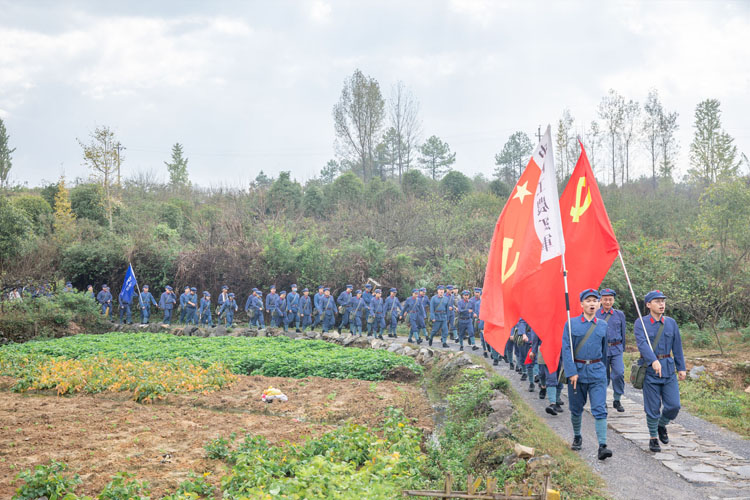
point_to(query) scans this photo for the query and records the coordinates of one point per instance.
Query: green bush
(46, 481)
(124, 487)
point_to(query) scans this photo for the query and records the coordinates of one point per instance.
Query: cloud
(320, 11)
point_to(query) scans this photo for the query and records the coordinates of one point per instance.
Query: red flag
(590, 249)
(507, 261)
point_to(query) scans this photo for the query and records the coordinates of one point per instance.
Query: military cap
(294, 286)
(378, 290)
(145, 287)
(224, 287)
(441, 287)
(305, 290)
(168, 288)
(326, 289)
(349, 286)
(193, 289)
(358, 292)
(273, 287)
(320, 287)
(368, 286)
(415, 290)
(589, 292)
(423, 289)
(206, 293)
(477, 289)
(231, 295)
(283, 292)
(449, 287)
(393, 290)
(465, 292)
(105, 286)
(607, 291)
(68, 284)
(654, 294)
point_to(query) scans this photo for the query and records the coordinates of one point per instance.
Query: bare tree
(650, 127)
(358, 119)
(592, 141)
(631, 114)
(668, 142)
(403, 110)
(564, 128)
(102, 155)
(611, 113)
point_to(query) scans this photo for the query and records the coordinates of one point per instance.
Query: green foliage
(124, 487)
(436, 157)
(715, 401)
(46, 481)
(87, 202)
(177, 168)
(218, 449)
(312, 202)
(500, 189)
(197, 485)
(513, 158)
(14, 229)
(712, 154)
(348, 463)
(284, 195)
(414, 183)
(347, 189)
(48, 192)
(37, 210)
(268, 356)
(455, 185)
(93, 261)
(6, 152)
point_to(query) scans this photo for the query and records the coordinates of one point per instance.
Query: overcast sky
(246, 86)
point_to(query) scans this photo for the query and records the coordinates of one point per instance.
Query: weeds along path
(702, 461)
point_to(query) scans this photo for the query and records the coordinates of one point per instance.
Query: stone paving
(694, 459)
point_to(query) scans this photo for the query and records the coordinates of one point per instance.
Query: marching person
(425, 302)
(327, 310)
(167, 301)
(439, 316)
(255, 310)
(89, 292)
(229, 308)
(367, 297)
(528, 335)
(465, 320)
(204, 313)
(183, 304)
(479, 323)
(223, 297)
(616, 339)
(549, 385)
(585, 367)
(413, 307)
(354, 310)
(377, 315)
(124, 304)
(105, 301)
(665, 364)
(343, 302)
(451, 316)
(292, 308)
(192, 306)
(281, 310)
(305, 309)
(271, 299)
(147, 300)
(317, 318)
(392, 307)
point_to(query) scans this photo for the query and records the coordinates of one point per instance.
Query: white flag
(547, 221)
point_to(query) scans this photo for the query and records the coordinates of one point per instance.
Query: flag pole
(567, 307)
(140, 302)
(635, 301)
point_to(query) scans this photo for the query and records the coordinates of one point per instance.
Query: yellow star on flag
(522, 192)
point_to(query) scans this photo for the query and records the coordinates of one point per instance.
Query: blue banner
(128, 286)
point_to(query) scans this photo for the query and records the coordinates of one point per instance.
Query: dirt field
(99, 435)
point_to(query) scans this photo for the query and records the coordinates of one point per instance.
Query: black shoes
(419, 341)
(531, 387)
(485, 355)
(542, 393)
(663, 437)
(558, 407)
(536, 378)
(524, 377)
(461, 348)
(429, 342)
(410, 341)
(552, 411)
(577, 443)
(653, 445)
(445, 344)
(494, 363)
(604, 452)
(511, 365)
(618, 406)
(475, 348)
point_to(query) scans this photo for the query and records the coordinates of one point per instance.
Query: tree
(565, 157)
(177, 168)
(347, 189)
(6, 160)
(651, 131)
(593, 139)
(667, 142)
(262, 181)
(414, 183)
(102, 156)
(403, 110)
(87, 202)
(712, 153)
(611, 113)
(499, 188)
(512, 158)
(358, 118)
(312, 202)
(386, 154)
(329, 172)
(631, 112)
(36, 209)
(455, 185)
(285, 194)
(64, 216)
(436, 157)
(14, 229)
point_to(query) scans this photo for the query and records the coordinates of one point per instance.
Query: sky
(247, 86)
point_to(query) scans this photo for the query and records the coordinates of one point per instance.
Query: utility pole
(539, 134)
(119, 146)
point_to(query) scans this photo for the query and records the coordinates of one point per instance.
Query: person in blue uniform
(89, 292)
(305, 309)
(167, 301)
(327, 310)
(451, 315)
(183, 304)
(425, 302)
(392, 308)
(479, 324)
(271, 299)
(68, 288)
(585, 367)
(204, 312)
(292, 308)
(616, 339)
(228, 308)
(367, 297)
(439, 315)
(343, 301)
(465, 320)
(549, 384)
(377, 315)
(124, 303)
(254, 309)
(317, 318)
(665, 361)
(527, 335)
(354, 310)
(147, 300)
(105, 301)
(223, 297)
(192, 306)
(413, 308)
(281, 310)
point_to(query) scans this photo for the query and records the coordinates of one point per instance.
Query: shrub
(46, 481)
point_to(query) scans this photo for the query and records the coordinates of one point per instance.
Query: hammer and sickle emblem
(578, 210)
(506, 272)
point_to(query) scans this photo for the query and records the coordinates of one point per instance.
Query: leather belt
(663, 356)
(615, 343)
(588, 361)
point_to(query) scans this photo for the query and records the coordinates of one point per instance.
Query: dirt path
(99, 435)
(702, 460)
